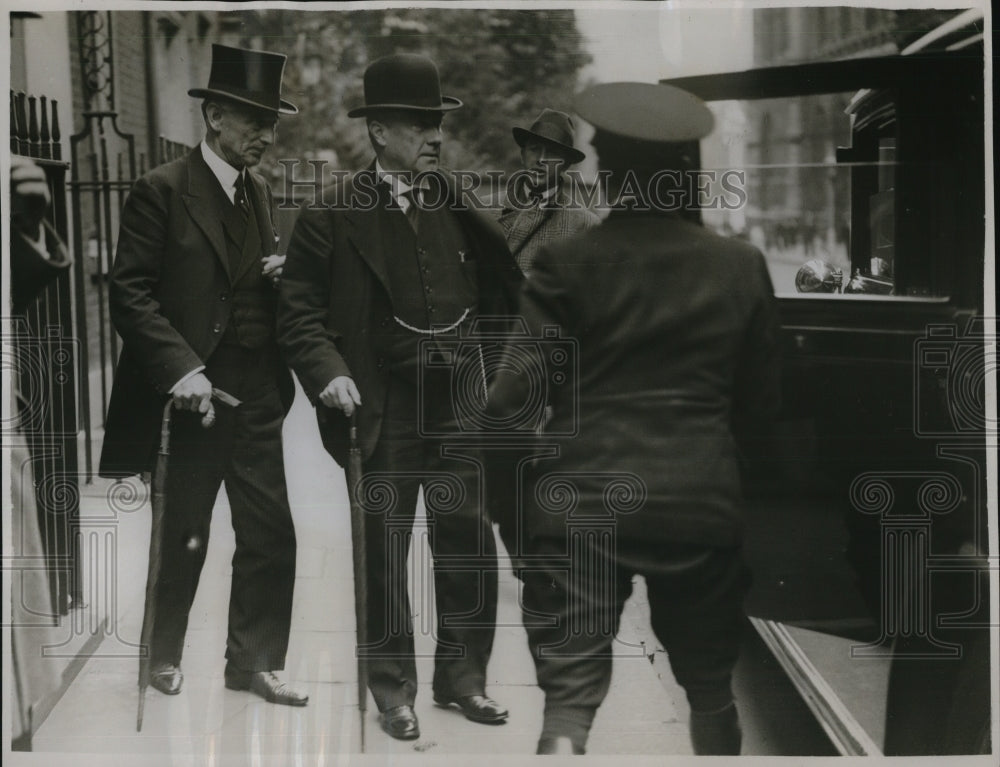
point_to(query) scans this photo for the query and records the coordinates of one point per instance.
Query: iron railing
(48, 361)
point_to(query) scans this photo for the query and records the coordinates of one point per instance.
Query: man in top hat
(539, 207)
(676, 332)
(397, 268)
(193, 298)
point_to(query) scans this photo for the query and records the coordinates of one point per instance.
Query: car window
(818, 180)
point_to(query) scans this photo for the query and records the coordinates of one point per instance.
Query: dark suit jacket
(170, 299)
(335, 307)
(677, 345)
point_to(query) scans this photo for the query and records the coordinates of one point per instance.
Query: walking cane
(159, 505)
(354, 490)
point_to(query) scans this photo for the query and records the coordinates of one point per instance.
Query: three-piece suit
(360, 292)
(187, 291)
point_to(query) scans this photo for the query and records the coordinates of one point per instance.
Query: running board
(844, 731)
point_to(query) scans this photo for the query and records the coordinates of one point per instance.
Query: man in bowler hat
(193, 298)
(539, 207)
(676, 331)
(398, 267)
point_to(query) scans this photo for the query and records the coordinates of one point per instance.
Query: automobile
(867, 518)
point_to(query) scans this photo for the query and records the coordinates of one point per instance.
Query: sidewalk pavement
(208, 725)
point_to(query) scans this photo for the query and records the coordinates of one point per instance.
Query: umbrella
(159, 504)
(354, 490)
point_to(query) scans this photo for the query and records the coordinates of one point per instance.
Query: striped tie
(241, 202)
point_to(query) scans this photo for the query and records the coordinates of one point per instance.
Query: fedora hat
(553, 128)
(404, 81)
(246, 76)
(645, 112)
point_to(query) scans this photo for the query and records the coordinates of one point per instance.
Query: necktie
(240, 200)
(239, 222)
(413, 209)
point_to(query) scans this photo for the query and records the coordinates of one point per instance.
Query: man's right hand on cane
(194, 393)
(342, 394)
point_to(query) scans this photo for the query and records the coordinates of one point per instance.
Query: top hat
(662, 114)
(404, 81)
(246, 76)
(553, 128)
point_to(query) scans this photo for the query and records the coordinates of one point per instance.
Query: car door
(866, 508)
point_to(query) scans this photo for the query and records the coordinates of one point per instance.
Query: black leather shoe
(477, 708)
(167, 678)
(265, 684)
(401, 723)
(560, 744)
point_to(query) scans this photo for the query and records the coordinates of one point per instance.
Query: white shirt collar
(397, 186)
(222, 170)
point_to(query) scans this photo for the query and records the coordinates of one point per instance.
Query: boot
(716, 732)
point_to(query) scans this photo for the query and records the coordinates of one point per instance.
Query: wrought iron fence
(105, 165)
(47, 360)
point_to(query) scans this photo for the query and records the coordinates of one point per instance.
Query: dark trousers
(242, 451)
(463, 549)
(574, 593)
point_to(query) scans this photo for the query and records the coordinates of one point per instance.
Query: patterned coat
(528, 230)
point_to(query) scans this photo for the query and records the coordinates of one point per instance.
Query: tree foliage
(505, 65)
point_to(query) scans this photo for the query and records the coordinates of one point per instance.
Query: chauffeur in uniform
(193, 300)
(676, 328)
(398, 262)
(541, 209)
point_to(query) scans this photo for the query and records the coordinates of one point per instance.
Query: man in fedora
(193, 300)
(398, 267)
(677, 343)
(539, 207)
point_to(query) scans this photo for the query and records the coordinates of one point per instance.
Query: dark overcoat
(335, 312)
(170, 300)
(675, 330)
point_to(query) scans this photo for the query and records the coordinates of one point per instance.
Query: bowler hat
(645, 112)
(553, 128)
(404, 81)
(246, 76)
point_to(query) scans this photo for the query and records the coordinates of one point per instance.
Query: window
(818, 175)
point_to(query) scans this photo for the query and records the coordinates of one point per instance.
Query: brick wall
(157, 56)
